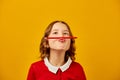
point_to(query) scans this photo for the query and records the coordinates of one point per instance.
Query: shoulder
(36, 68)
(78, 69)
(76, 66)
(37, 65)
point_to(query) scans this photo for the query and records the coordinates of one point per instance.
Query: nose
(61, 39)
(61, 35)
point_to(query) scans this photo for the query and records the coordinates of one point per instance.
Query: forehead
(59, 26)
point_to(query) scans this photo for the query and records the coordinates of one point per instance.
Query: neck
(57, 58)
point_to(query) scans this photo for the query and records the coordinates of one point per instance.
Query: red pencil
(70, 37)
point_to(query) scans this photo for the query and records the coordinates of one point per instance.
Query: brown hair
(45, 50)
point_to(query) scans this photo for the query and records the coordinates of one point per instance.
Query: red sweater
(39, 71)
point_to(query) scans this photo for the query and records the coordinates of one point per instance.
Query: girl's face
(59, 30)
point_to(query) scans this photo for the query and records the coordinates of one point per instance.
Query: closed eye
(66, 33)
(55, 33)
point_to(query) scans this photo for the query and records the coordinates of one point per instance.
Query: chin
(61, 49)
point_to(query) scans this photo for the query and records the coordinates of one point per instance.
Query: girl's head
(58, 29)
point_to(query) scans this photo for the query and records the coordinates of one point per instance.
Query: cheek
(51, 42)
(68, 43)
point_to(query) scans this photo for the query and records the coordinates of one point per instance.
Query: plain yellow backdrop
(96, 23)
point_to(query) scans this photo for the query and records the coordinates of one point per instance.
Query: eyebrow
(66, 30)
(57, 30)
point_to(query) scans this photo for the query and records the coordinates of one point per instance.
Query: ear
(45, 38)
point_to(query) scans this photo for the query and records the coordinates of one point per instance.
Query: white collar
(54, 69)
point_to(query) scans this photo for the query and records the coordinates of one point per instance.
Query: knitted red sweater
(39, 71)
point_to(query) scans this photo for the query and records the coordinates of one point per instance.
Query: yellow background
(96, 23)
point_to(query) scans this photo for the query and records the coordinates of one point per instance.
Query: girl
(58, 54)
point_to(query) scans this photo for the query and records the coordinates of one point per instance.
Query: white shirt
(54, 69)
